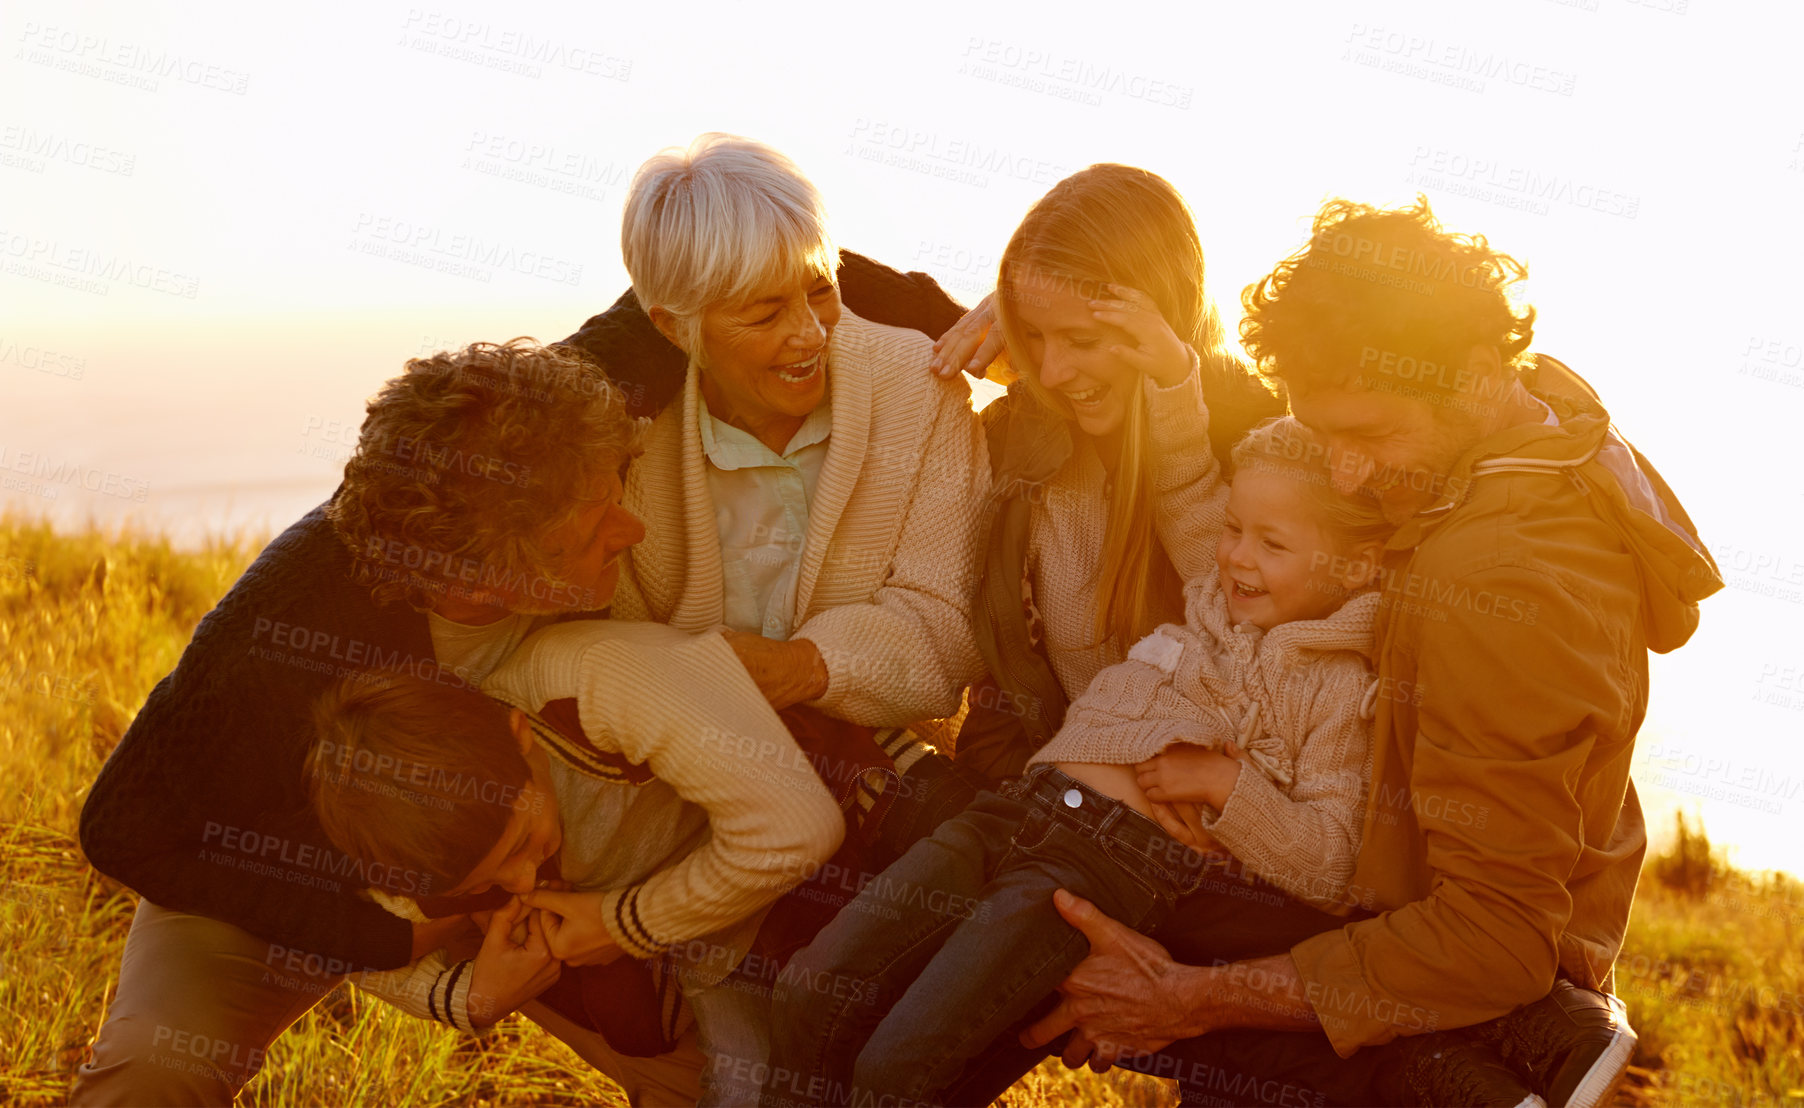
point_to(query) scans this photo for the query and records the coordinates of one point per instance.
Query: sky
(222, 226)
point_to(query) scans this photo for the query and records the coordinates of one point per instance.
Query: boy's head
(1292, 547)
(1397, 341)
(432, 781)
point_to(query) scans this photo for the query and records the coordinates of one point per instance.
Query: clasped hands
(1181, 779)
(521, 948)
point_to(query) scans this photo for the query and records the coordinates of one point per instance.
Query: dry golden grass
(1713, 968)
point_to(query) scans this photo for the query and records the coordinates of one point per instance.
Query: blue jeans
(959, 940)
(732, 1028)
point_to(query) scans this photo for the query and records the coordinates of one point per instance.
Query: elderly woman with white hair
(814, 495)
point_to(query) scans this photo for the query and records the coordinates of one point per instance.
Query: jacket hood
(1676, 570)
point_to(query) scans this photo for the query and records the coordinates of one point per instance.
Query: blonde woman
(1099, 451)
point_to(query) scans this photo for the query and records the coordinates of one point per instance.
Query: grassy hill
(1713, 970)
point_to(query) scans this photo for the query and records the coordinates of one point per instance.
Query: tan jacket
(1503, 838)
(889, 564)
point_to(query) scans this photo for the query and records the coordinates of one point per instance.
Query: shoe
(1454, 1069)
(1575, 1043)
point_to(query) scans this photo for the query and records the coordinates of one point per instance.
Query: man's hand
(1126, 997)
(785, 672)
(507, 974)
(971, 344)
(1185, 772)
(575, 927)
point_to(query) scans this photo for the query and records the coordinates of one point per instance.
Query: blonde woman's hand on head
(971, 344)
(1153, 347)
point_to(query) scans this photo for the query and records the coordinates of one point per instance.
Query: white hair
(717, 222)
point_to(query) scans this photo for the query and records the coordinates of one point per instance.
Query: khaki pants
(199, 1002)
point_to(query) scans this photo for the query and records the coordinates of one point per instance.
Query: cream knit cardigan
(889, 564)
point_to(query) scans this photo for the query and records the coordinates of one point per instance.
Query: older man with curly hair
(482, 501)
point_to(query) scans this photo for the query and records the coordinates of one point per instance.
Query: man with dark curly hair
(1538, 558)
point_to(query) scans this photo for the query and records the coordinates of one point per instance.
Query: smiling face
(533, 833)
(1071, 349)
(764, 358)
(585, 560)
(1276, 560)
(587, 548)
(1389, 446)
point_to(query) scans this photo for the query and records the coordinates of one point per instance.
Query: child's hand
(1186, 772)
(575, 926)
(508, 974)
(1184, 822)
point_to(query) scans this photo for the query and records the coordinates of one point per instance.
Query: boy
(677, 814)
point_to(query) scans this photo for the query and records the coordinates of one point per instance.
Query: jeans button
(1073, 798)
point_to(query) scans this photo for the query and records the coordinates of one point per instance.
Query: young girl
(1251, 710)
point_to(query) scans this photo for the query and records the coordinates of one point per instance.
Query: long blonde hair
(1115, 224)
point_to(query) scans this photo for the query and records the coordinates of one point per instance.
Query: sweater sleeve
(1135, 708)
(1495, 774)
(908, 653)
(1189, 494)
(697, 721)
(1306, 842)
(431, 988)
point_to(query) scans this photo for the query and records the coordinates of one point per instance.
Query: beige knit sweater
(889, 564)
(1296, 698)
(732, 816)
(1067, 526)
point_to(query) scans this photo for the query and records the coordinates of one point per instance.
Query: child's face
(1274, 556)
(533, 834)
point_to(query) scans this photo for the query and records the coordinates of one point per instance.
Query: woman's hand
(1153, 347)
(971, 344)
(507, 973)
(785, 672)
(575, 926)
